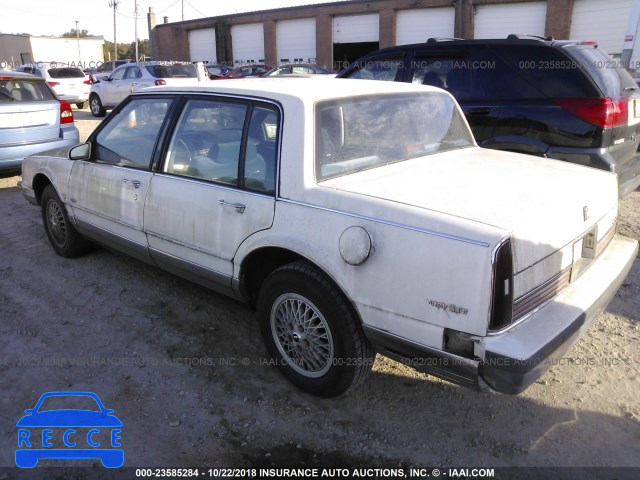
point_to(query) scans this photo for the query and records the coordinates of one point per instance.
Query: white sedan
(354, 216)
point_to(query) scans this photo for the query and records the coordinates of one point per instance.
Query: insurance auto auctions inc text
(354, 473)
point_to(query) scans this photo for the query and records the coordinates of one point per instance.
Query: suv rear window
(65, 73)
(24, 90)
(549, 70)
(172, 71)
(603, 69)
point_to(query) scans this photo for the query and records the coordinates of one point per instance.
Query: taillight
(88, 81)
(66, 114)
(53, 84)
(602, 112)
(159, 82)
(502, 300)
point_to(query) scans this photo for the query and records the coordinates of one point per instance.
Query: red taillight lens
(602, 112)
(53, 84)
(160, 82)
(66, 114)
(5, 79)
(87, 81)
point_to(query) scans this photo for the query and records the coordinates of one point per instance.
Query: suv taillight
(502, 300)
(66, 114)
(160, 82)
(602, 112)
(53, 84)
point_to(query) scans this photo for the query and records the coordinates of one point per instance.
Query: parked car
(69, 83)
(106, 67)
(561, 99)
(112, 89)
(217, 71)
(32, 119)
(351, 218)
(299, 69)
(246, 71)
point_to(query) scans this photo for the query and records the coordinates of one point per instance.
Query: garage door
(247, 42)
(418, 25)
(498, 21)
(604, 22)
(356, 28)
(296, 40)
(202, 45)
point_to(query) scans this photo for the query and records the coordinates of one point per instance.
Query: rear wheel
(64, 238)
(97, 110)
(311, 331)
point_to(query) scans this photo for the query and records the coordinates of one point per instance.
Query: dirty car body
(354, 220)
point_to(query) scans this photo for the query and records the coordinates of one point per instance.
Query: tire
(81, 105)
(63, 236)
(95, 104)
(338, 357)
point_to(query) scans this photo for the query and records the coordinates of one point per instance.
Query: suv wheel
(97, 110)
(311, 332)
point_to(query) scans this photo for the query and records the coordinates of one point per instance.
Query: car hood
(541, 202)
(69, 418)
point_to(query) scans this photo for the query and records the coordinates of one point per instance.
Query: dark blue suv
(566, 99)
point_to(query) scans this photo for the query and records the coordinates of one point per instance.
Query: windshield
(173, 71)
(355, 134)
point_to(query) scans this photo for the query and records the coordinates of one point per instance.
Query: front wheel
(97, 110)
(64, 238)
(311, 332)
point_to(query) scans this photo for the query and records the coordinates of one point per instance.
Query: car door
(111, 87)
(107, 191)
(127, 85)
(215, 187)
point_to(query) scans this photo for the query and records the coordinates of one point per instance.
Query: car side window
(129, 138)
(132, 73)
(378, 69)
(208, 144)
(458, 75)
(117, 74)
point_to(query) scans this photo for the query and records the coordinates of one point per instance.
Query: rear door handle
(238, 206)
(479, 111)
(135, 183)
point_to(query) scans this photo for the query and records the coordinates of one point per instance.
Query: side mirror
(80, 152)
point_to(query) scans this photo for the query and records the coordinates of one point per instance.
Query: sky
(47, 17)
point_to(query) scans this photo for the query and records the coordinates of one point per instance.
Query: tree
(72, 33)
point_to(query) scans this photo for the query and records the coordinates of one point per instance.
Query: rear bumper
(11, 157)
(516, 358)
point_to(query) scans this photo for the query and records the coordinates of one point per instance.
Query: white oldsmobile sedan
(355, 217)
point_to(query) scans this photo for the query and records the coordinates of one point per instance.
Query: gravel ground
(186, 372)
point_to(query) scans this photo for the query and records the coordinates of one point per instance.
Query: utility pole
(183, 10)
(114, 4)
(78, 40)
(136, 29)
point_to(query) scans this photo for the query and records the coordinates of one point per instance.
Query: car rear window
(24, 90)
(361, 133)
(172, 71)
(550, 70)
(65, 73)
(603, 69)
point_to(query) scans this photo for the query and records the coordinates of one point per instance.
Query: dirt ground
(186, 372)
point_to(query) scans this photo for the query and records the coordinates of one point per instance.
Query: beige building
(334, 33)
(16, 50)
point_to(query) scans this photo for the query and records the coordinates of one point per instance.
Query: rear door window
(603, 69)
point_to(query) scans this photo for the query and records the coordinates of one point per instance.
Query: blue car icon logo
(82, 429)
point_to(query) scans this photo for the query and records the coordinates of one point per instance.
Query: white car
(69, 83)
(112, 89)
(353, 216)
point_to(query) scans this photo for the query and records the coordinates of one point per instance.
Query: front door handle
(238, 206)
(135, 183)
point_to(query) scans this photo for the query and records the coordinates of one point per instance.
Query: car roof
(10, 73)
(311, 88)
